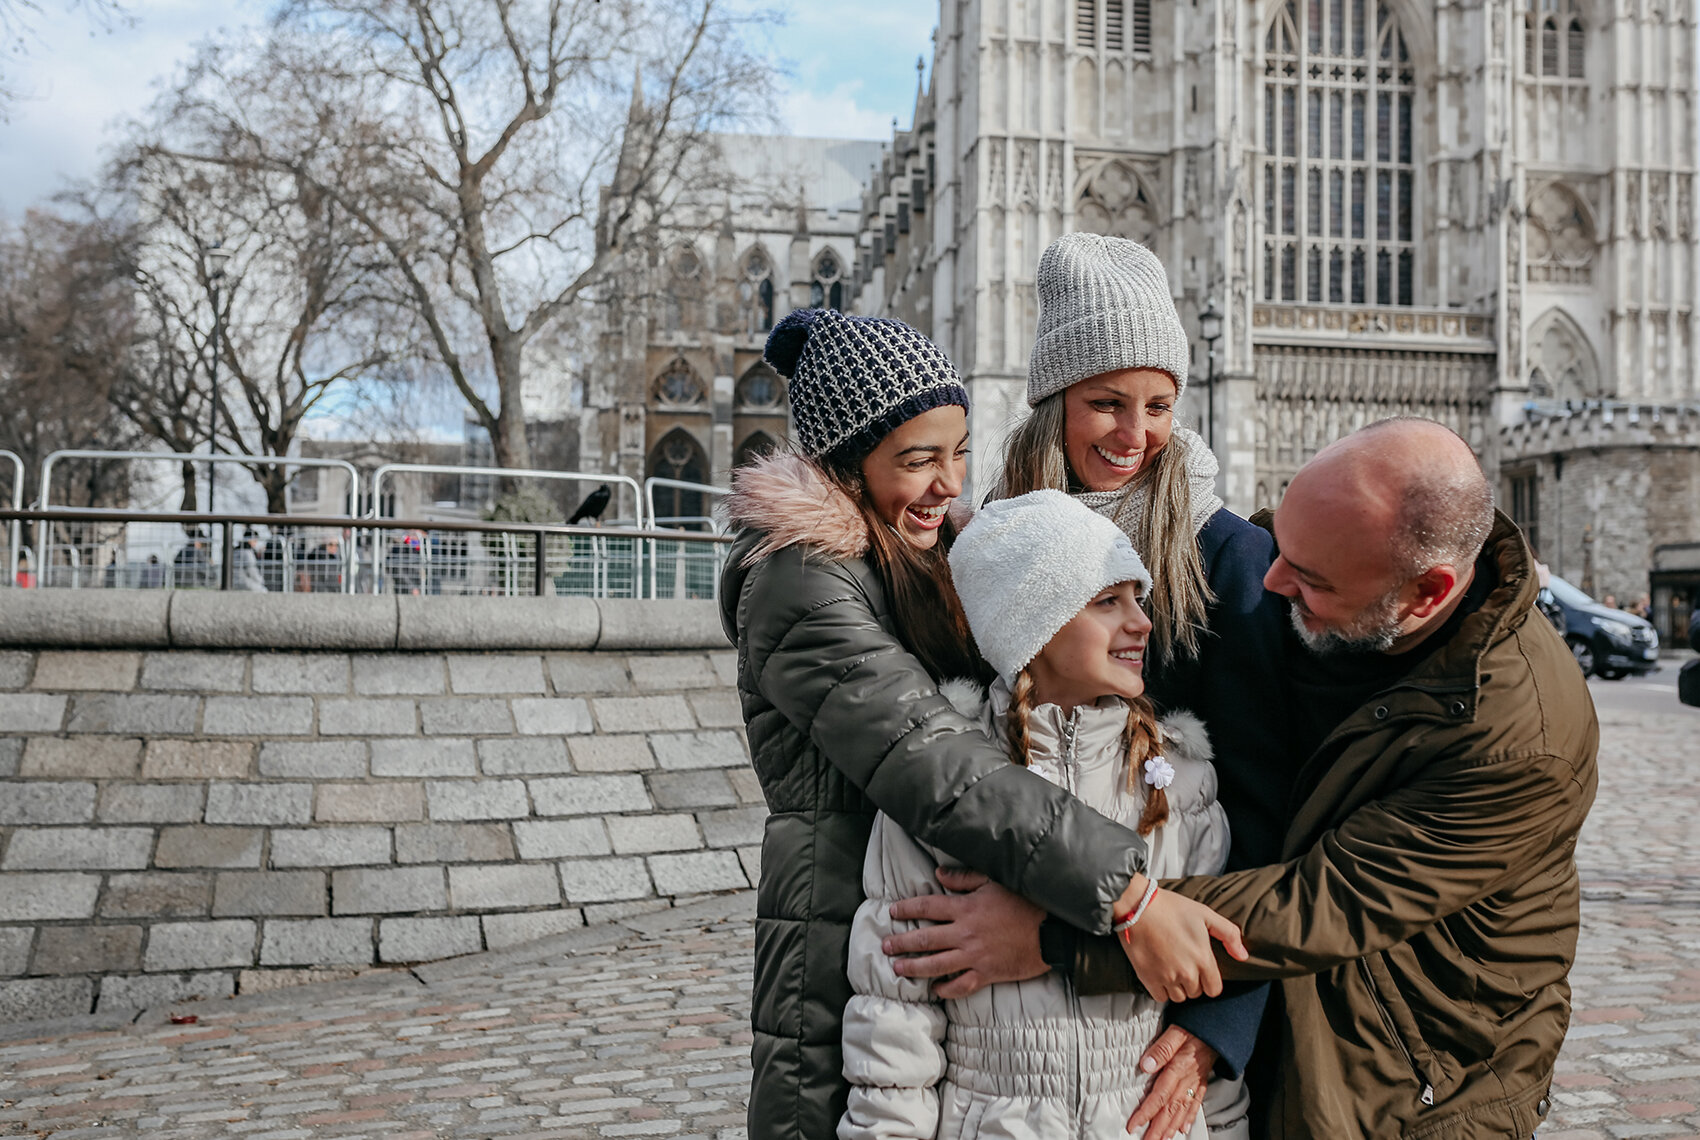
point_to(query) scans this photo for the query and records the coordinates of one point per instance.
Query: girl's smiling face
(916, 471)
(1099, 653)
(1115, 424)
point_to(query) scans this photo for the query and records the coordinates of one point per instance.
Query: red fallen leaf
(185, 1018)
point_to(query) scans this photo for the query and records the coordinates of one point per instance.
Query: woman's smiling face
(1115, 424)
(917, 470)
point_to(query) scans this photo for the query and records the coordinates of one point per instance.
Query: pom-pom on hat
(854, 379)
(1104, 305)
(1024, 567)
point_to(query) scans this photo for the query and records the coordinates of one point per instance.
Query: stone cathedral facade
(1483, 213)
(1480, 212)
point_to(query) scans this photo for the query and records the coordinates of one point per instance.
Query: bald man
(1423, 922)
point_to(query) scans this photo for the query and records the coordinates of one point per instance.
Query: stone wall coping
(184, 619)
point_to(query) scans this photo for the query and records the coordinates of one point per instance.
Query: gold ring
(1190, 1092)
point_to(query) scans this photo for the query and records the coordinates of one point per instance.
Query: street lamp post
(217, 257)
(1210, 325)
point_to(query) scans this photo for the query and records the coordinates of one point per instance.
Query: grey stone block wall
(175, 822)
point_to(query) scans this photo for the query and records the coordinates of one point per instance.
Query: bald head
(1412, 480)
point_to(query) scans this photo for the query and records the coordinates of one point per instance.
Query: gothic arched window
(1555, 41)
(758, 444)
(680, 386)
(827, 289)
(1339, 172)
(760, 390)
(755, 294)
(678, 456)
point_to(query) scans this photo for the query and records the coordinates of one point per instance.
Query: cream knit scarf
(1127, 508)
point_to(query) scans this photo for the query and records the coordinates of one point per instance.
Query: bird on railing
(594, 504)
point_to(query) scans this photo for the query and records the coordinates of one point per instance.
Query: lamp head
(1210, 321)
(217, 258)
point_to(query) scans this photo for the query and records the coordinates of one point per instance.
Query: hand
(1176, 1094)
(983, 936)
(1170, 947)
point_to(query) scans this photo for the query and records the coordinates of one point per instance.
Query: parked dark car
(1607, 643)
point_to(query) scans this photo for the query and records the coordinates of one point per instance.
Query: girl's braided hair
(1139, 744)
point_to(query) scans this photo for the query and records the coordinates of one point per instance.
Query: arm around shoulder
(817, 651)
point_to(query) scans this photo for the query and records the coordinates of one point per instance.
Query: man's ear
(1431, 589)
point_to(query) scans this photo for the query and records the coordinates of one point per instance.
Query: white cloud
(80, 82)
(837, 114)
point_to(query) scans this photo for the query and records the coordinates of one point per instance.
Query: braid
(1015, 721)
(1140, 741)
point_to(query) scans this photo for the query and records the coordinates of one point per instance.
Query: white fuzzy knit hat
(1104, 305)
(1024, 567)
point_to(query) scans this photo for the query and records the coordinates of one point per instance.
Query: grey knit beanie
(1024, 567)
(854, 379)
(1104, 305)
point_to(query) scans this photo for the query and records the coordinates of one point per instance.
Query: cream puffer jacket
(1027, 1059)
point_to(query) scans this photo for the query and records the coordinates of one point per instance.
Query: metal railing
(427, 563)
(674, 569)
(509, 558)
(14, 530)
(198, 563)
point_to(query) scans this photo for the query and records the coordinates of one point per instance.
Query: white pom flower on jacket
(1159, 773)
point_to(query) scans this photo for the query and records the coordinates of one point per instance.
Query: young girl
(1051, 592)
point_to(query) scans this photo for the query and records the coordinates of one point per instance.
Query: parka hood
(792, 502)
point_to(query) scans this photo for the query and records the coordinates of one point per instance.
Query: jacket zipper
(1071, 780)
(1393, 1032)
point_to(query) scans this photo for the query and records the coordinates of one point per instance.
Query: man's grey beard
(1373, 630)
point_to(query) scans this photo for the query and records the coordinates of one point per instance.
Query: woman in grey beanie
(838, 597)
(1108, 368)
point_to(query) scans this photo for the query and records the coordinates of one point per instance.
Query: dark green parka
(843, 721)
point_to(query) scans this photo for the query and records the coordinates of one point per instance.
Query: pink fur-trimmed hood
(793, 503)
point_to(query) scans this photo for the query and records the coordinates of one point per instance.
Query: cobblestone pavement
(640, 1028)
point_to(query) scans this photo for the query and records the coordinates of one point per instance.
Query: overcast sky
(850, 74)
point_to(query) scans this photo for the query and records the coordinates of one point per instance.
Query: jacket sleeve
(1399, 864)
(1229, 1022)
(811, 645)
(893, 1027)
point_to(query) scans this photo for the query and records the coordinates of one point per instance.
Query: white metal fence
(633, 555)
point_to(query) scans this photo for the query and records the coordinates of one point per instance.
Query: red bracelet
(1121, 926)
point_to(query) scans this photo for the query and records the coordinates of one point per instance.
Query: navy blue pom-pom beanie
(854, 379)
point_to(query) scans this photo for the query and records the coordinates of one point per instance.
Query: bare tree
(301, 313)
(475, 142)
(17, 30)
(67, 322)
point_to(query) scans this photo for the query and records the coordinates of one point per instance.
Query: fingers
(1163, 1049)
(1163, 1108)
(929, 908)
(966, 983)
(931, 965)
(1210, 979)
(1228, 935)
(961, 879)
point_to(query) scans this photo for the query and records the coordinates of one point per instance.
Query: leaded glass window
(1339, 180)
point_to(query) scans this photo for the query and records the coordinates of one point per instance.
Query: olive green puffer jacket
(842, 721)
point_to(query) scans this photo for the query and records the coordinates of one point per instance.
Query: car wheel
(1584, 654)
(1612, 674)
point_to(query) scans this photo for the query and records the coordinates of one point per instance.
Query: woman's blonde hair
(1139, 744)
(1178, 604)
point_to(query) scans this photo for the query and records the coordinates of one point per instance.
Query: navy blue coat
(1235, 686)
